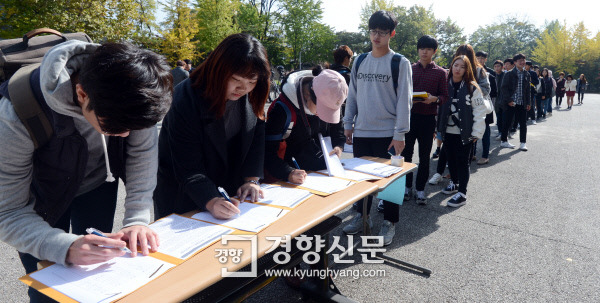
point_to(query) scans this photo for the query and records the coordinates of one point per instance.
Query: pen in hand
(225, 195)
(295, 163)
(96, 232)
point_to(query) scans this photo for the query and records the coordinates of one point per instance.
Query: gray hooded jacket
(20, 226)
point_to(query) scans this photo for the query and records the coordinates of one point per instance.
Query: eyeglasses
(374, 32)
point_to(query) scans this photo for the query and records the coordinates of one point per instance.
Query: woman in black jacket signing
(308, 105)
(213, 135)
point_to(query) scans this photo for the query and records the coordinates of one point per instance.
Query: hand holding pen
(297, 175)
(92, 249)
(223, 207)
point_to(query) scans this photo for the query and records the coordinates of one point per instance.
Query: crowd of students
(215, 133)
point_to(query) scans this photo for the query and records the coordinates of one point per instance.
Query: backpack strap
(290, 120)
(395, 64)
(396, 70)
(358, 61)
(27, 107)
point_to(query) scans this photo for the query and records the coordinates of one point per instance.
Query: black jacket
(194, 156)
(300, 144)
(509, 86)
(493, 85)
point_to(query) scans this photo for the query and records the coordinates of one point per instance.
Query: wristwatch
(253, 181)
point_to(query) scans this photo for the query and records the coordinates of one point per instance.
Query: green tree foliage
(357, 41)
(505, 39)
(258, 19)
(216, 21)
(571, 50)
(105, 20)
(179, 30)
(307, 38)
(449, 36)
(555, 48)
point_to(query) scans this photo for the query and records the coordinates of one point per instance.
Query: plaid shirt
(518, 96)
(431, 79)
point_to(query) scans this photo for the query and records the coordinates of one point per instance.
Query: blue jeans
(92, 209)
(549, 105)
(541, 107)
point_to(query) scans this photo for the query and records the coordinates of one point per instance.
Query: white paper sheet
(324, 184)
(370, 167)
(182, 237)
(253, 217)
(102, 282)
(283, 196)
(355, 175)
(334, 166)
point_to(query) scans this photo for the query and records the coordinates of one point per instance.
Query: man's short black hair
(509, 60)
(427, 42)
(528, 63)
(129, 88)
(481, 54)
(187, 61)
(536, 66)
(383, 20)
(518, 56)
(497, 62)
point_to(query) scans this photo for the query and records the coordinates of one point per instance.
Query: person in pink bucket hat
(309, 105)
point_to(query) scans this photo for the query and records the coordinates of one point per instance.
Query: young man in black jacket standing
(516, 95)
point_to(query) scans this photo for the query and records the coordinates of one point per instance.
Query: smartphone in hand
(392, 151)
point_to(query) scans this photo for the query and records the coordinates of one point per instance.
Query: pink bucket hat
(331, 91)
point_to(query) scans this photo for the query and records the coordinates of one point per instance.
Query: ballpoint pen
(225, 195)
(96, 232)
(295, 163)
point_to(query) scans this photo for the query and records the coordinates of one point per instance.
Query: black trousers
(458, 160)
(376, 147)
(519, 113)
(422, 128)
(92, 209)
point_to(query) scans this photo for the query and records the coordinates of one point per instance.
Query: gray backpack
(18, 59)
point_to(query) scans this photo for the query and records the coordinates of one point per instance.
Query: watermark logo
(310, 246)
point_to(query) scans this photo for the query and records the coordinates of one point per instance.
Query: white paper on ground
(102, 282)
(283, 196)
(334, 166)
(253, 217)
(182, 237)
(370, 167)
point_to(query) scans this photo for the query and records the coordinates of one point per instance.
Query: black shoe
(459, 199)
(436, 153)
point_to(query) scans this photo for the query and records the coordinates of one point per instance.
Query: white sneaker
(435, 179)
(523, 147)
(533, 122)
(506, 144)
(387, 231)
(356, 225)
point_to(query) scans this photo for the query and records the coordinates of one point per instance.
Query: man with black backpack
(88, 92)
(377, 112)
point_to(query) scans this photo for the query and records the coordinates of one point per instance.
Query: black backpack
(18, 59)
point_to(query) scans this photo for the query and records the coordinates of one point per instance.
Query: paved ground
(530, 231)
